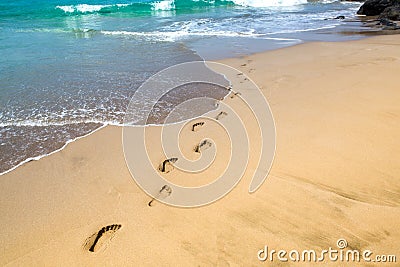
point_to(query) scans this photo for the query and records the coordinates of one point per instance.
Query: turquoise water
(68, 67)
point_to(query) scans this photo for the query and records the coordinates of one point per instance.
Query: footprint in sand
(245, 64)
(202, 146)
(234, 94)
(164, 192)
(167, 165)
(196, 126)
(221, 115)
(98, 240)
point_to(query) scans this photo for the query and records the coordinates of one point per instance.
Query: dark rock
(375, 7)
(392, 13)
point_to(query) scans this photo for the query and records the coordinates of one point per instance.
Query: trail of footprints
(98, 240)
(168, 165)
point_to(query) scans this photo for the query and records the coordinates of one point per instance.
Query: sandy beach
(335, 176)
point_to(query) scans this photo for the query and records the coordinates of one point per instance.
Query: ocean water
(68, 67)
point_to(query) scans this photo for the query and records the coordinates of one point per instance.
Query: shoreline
(334, 175)
(356, 34)
(29, 143)
(365, 34)
(52, 152)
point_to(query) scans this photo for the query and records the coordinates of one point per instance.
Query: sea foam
(164, 5)
(86, 8)
(269, 3)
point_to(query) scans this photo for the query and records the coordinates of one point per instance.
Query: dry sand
(335, 175)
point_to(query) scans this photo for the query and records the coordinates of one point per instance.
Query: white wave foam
(328, 1)
(306, 30)
(86, 8)
(269, 3)
(172, 36)
(164, 5)
(30, 123)
(291, 40)
(66, 9)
